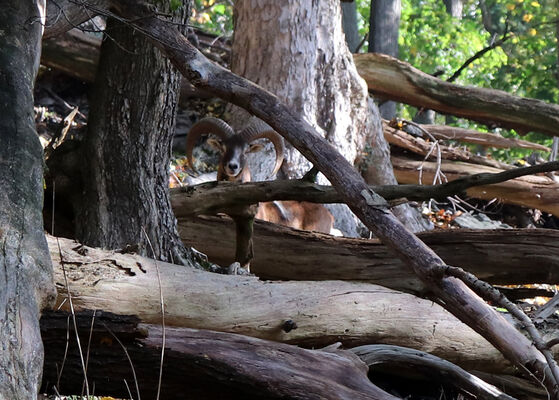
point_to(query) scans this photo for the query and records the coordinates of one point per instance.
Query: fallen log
(504, 257)
(198, 364)
(396, 80)
(529, 191)
(74, 52)
(310, 314)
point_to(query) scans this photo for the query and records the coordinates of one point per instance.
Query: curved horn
(205, 126)
(258, 129)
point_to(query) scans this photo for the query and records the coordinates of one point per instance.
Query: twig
(162, 304)
(73, 316)
(477, 55)
(127, 356)
(89, 344)
(128, 389)
(59, 375)
(488, 292)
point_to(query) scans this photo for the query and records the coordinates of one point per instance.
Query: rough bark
(199, 364)
(26, 285)
(400, 81)
(529, 191)
(313, 73)
(324, 312)
(499, 257)
(130, 129)
(384, 25)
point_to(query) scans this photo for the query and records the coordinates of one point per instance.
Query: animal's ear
(255, 147)
(216, 144)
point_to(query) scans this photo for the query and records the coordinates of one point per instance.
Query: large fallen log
(529, 191)
(396, 80)
(311, 314)
(197, 365)
(504, 257)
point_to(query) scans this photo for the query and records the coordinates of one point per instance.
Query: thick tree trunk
(313, 73)
(26, 285)
(127, 149)
(384, 25)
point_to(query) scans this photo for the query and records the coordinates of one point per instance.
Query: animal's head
(232, 146)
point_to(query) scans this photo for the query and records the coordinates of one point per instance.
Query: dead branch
(529, 190)
(403, 361)
(486, 139)
(396, 80)
(311, 314)
(215, 197)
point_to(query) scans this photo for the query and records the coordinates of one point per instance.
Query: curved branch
(395, 358)
(215, 197)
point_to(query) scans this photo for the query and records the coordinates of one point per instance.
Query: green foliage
(174, 5)
(526, 65)
(213, 16)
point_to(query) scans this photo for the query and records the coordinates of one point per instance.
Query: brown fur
(297, 214)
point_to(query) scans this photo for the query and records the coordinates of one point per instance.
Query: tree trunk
(454, 7)
(349, 23)
(127, 149)
(312, 72)
(384, 25)
(26, 285)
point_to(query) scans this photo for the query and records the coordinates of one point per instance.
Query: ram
(233, 167)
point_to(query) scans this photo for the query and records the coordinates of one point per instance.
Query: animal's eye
(255, 147)
(216, 144)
